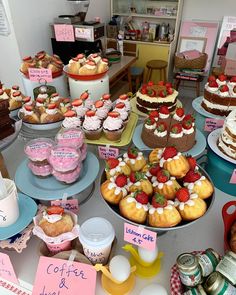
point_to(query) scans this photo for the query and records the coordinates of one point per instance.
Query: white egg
(153, 289)
(147, 255)
(119, 267)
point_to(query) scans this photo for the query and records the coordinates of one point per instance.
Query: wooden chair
(137, 76)
(159, 65)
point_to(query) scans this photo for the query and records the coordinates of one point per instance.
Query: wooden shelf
(145, 15)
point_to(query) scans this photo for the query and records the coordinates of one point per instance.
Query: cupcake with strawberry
(139, 181)
(92, 126)
(125, 99)
(100, 109)
(165, 184)
(134, 159)
(106, 98)
(178, 116)
(121, 109)
(176, 137)
(164, 115)
(115, 167)
(160, 136)
(71, 120)
(79, 107)
(162, 212)
(113, 126)
(189, 205)
(87, 101)
(135, 206)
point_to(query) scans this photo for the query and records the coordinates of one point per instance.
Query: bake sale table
(205, 233)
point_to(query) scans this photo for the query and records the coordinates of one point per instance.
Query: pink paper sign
(139, 236)
(212, 124)
(36, 74)
(233, 177)
(106, 152)
(6, 269)
(64, 33)
(60, 277)
(71, 205)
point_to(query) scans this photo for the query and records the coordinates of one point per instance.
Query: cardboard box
(231, 51)
(229, 66)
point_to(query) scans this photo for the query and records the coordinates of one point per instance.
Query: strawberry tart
(152, 96)
(220, 95)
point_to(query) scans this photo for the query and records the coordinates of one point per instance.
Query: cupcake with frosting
(106, 98)
(71, 120)
(113, 126)
(100, 109)
(125, 99)
(121, 109)
(79, 107)
(92, 126)
(88, 102)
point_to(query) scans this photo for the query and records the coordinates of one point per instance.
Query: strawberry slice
(182, 194)
(54, 94)
(112, 163)
(179, 112)
(132, 153)
(80, 56)
(106, 96)
(164, 110)
(222, 77)
(90, 63)
(192, 162)
(94, 55)
(113, 114)
(16, 93)
(121, 180)
(105, 60)
(70, 114)
(154, 114)
(163, 176)
(123, 97)
(192, 176)
(75, 59)
(84, 95)
(159, 201)
(28, 108)
(41, 56)
(168, 85)
(52, 106)
(90, 113)
(211, 78)
(161, 83)
(77, 102)
(120, 105)
(176, 128)
(55, 210)
(141, 197)
(169, 152)
(98, 104)
(40, 100)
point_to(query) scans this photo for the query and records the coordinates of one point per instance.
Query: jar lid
(187, 261)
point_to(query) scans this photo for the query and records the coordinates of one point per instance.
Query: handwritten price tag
(212, 124)
(6, 269)
(140, 236)
(64, 33)
(37, 74)
(71, 205)
(60, 277)
(233, 177)
(106, 152)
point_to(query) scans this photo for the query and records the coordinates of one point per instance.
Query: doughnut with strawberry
(135, 206)
(51, 114)
(134, 159)
(139, 181)
(115, 167)
(162, 212)
(189, 205)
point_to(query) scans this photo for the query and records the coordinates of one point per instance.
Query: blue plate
(28, 209)
(197, 149)
(49, 188)
(196, 104)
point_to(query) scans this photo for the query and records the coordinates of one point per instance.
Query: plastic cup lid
(96, 232)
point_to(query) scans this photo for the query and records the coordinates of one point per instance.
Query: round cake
(219, 95)
(227, 138)
(152, 96)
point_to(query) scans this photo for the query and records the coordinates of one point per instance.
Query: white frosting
(211, 89)
(92, 123)
(221, 82)
(70, 122)
(190, 202)
(150, 127)
(132, 161)
(217, 106)
(177, 135)
(112, 123)
(188, 131)
(138, 205)
(55, 98)
(90, 67)
(160, 185)
(126, 102)
(39, 104)
(42, 95)
(123, 113)
(160, 210)
(4, 96)
(17, 98)
(190, 185)
(29, 103)
(118, 190)
(227, 149)
(52, 218)
(223, 94)
(177, 118)
(164, 116)
(160, 134)
(80, 110)
(26, 113)
(51, 111)
(162, 160)
(101, 112)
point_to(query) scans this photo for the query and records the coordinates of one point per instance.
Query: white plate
(48, 126)
(212, 142)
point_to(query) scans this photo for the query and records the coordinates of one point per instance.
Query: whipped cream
(137, 204)
(52, 218)
(42, 95)
(118, 168)
(177, 118)
(70, 122)
(123, 113)
(190, 202)
(188, 131)
(118, 190)
(169, 206)
(101, 112)
(26, 113)
(176, 135)
(4, 96)
(164, 116)
(162, 160)
(92, 123)
(160, 185)
(150, 127)
(113, 123)
(80, 110)
(51, 111)
(160, 134)
(190, 185)
(220, 82)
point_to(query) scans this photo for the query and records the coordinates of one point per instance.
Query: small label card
(71, 205)
(60, 277)
(212, 124)
(139, 236)
(233, 177)
(36, 74)
(64, 33)
(6, 269)
(106, 152)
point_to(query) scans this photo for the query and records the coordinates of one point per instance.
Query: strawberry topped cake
(152, 96)
(220, 95)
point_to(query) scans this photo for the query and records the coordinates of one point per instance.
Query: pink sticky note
(233, 177)
(212, 124)
(105, 152)
(64, 33)
(6, 269)
(36, 74)
(139, 236)
(61, 277)
(71, 205)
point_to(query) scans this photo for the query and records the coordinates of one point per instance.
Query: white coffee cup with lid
(9, 207)
(96, 236)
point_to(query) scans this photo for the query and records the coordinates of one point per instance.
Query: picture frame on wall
(192, 43)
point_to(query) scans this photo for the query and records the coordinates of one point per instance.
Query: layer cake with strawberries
(220, 95)
(152, 96)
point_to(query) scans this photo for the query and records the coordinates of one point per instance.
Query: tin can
(189, 269)
(196, 291)
(227, 267)
(216, 284)
(208, 261)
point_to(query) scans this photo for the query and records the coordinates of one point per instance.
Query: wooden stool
(137, 75)
(197, 81)
(159, 65)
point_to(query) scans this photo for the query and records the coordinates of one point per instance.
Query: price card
(71, 205)
(233, 177)
(139, 236)
(36, 74)
(212, 124)
(106, 152)
(6, 269)
(64, 33)
(60, 277)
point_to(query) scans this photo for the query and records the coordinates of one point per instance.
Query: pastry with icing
(155, 155)
(96, 58)
(135, 206)
(189, 205)
(139, 181)
(29, 115)
(114, 189)
(115, 167)
(40, 105)
(135, 159)
(15, 101)
(74, 66)
(162, 212)
(90, 68)
(51, 114)
(102, 65)
(64, 105)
